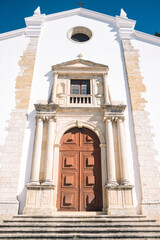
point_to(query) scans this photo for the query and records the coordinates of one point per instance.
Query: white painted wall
(11, 50)
(150, 71)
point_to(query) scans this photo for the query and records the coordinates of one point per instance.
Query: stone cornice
(119, 108)
(51, 107)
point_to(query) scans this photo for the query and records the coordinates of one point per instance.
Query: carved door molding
(80, 180)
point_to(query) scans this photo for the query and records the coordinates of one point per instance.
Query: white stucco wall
(149, 61)
(11, 50)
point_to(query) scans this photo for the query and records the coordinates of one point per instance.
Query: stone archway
(80, 179)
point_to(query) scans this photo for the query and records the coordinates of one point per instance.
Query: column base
(47, 183)
(111, 184)
(125, 182)
(120, 200)
(39, 199)
(34, 183)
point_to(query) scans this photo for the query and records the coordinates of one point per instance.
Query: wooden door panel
(80, 186)
(69, 180)
(69, 201)
(69, 161)
(91, 199)
(70, 140)
(68, 186)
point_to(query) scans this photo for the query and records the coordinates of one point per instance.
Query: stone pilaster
(148, 166)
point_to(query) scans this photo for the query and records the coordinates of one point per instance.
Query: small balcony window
(80, 92)
(80, 87)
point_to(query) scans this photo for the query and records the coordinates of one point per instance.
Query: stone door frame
(101, 138)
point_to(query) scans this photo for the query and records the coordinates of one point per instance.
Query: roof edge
(12, 34)
(146, 36)
(80, 11)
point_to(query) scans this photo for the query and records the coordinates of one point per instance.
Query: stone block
(120, 200)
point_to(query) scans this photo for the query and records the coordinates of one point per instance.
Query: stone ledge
(109, 186)
(40, 186)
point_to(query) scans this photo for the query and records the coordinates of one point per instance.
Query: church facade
(79, 116)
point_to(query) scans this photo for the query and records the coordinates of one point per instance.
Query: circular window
(79, 34)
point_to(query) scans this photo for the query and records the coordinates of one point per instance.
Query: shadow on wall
(27, 168)
(50, 79)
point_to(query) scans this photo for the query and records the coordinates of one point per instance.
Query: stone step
(86, 229)
(70, 215)
(80, 227)
(128, 236)
(79, 224)
(80, 221)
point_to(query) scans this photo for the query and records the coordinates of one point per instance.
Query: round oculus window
(79, 34)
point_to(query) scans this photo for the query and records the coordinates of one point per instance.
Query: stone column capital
(39, 118)
(50, 118)
(55, 74)
(120, 119)
(105, 75)
(108, 119)
(46, 117)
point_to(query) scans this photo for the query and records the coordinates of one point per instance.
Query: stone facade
(117, 190)
(115, 109)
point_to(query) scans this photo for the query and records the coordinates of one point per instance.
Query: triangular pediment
(81, 12)
(79, 64)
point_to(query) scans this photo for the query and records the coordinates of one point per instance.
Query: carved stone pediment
(80, 65)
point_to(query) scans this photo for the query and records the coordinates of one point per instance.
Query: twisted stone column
(37, 151)
(123, 152)
(49, 151)
(110, 153)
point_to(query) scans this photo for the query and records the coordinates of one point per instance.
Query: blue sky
(145, 12)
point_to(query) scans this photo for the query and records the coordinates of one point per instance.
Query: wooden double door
(80, 181)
